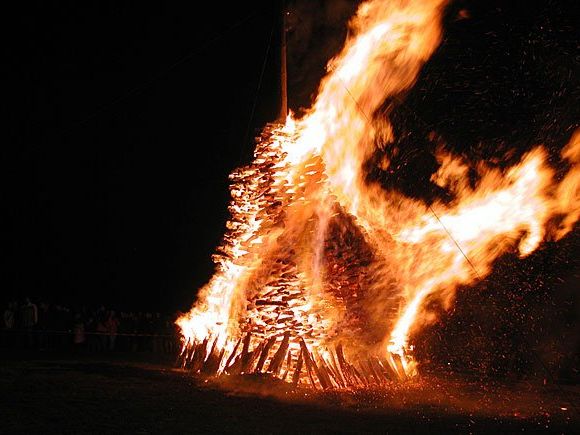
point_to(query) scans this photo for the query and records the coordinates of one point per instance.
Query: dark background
(128, 117)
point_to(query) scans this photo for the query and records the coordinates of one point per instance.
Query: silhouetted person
(111, 326)
(9, 319)
(43, 325)
(29, 313)
(10, 316)
(79, 332)
(102, 333)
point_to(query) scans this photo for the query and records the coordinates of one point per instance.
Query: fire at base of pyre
(282, 327)
(323, 274)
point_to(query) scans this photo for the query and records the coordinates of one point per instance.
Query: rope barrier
(62, 332)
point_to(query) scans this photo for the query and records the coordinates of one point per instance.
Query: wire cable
(258, 88)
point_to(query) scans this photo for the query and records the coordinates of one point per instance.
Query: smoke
(282, 245)
(316, 32)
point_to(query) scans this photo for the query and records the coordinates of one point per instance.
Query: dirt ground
(42, 393)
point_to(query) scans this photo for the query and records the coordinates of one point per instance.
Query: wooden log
(327, 373)
(356, 380)
(236, 366)
(187, 354)
(364, 370)
(312, 366)
(210, 364)
(384, 373)
(199, 356)
(360, 379)
(288, 365)
(388, 370)
(321, 364)
(264, 354)
(296, 375)
(398, 366)
(220, 359)
(247, 339)
(280, 355)
(213, 346)
(253, 357)
(377, 371)
(182, 357)
(371, 370)
(245, 352)
(308, 362)
(274, 303)
(335, 374)
(337, 369)
(232, 355)
(345, 366)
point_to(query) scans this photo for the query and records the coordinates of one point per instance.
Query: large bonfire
(323, 275)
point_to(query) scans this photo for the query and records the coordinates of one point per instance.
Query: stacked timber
(304, 239)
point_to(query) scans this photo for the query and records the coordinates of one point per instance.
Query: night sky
(128, 118)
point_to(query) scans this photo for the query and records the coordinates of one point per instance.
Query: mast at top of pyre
(323, 275)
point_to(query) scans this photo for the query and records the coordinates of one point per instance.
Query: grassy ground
(128, 394)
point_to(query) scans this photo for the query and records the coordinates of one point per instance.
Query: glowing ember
(322, 275)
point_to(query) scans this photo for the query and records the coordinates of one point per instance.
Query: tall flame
(305, 193)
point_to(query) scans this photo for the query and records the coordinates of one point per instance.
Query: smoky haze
(316, 32)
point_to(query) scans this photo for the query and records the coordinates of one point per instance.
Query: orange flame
(274, 272)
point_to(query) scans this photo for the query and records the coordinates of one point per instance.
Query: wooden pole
(283, 68)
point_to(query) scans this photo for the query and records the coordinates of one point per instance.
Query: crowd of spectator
(46, 326)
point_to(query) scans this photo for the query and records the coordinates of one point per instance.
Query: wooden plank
(361, 380)
(328, 373)
(199, 356)
(186, 355)
(337, 368)
(308, 362)
(386, 371)
(232, 355)
(212, 349)
(288, 365)
(264, 354)
(364, 369)
(280, 355)
(296, 375)
(236, 366)
(182, 357)
(209, 363)
(397, 368)
(347, 369)
(334, 372)
(220, 359)
(246, 352)
(312, 366)
(253, 357)
(371, 368)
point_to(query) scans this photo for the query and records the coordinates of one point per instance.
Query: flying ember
(323, 275)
